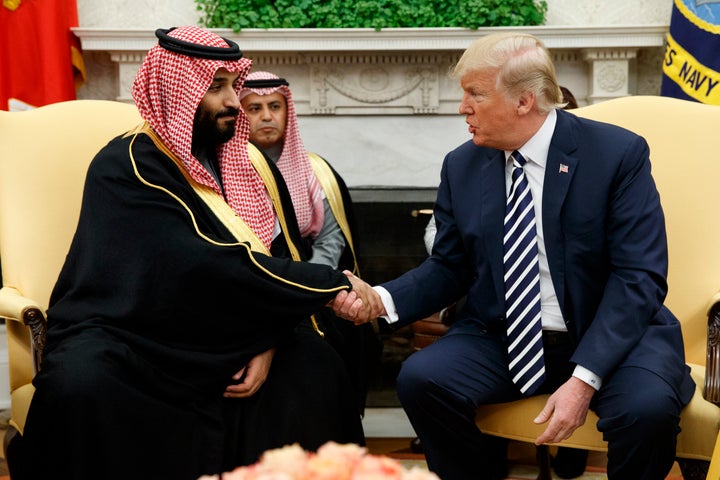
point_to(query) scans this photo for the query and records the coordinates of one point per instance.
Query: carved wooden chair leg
(542, 453)
(711, 392)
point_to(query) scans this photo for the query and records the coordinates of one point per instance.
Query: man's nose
(232, 100)
(464, 108)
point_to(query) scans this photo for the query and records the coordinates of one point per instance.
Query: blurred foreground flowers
(332, 461)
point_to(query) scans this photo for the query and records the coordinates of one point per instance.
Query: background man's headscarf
(293, 163)
(168, 89)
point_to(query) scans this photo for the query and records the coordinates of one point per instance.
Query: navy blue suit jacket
(604, 233)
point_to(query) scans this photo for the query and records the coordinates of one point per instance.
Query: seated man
(322, 205)
(177, 345)
(568, 462)
(552, 227)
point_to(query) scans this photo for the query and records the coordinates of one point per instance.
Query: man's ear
(525, 103)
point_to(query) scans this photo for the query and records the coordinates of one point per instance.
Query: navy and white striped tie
(522, 284)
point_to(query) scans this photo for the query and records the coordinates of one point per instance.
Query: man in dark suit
(600, 262)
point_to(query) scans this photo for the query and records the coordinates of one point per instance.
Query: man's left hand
(566, 409)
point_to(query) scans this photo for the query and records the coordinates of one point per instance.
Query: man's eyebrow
(226, 79)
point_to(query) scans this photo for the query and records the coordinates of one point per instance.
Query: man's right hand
(361, 305)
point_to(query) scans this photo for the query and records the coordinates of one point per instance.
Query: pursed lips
(267, 128)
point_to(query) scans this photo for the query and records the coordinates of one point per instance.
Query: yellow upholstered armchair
(684, 144)
(44, 154)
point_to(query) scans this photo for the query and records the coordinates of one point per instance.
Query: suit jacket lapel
(559, 170)
(493, 198)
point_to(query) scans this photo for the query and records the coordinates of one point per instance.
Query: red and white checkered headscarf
(294, 164)
(168, 89)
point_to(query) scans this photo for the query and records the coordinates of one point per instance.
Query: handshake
(360, 305)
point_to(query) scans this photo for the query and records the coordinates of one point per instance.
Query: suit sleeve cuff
(588, 377)
(388, 303)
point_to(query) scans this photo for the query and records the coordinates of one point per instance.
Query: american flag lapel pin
(563, 168)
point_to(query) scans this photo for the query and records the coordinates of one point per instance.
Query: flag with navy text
(40, 58)
(691, 67)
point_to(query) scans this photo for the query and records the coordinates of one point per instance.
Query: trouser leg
(440, 388)
(639, 417)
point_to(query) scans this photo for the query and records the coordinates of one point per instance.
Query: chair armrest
(713, 303)
(15, 307)
(712, 363)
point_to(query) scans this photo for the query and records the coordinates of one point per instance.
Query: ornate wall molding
(380, 105)
(399, 71)
(128, 64)
(610, 72)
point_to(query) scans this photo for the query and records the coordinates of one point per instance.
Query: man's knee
(643, 415)
(411, 379)
(423, 384)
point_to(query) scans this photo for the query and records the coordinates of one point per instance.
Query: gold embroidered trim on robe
(329, 184)
(232, 221)
(261, 166)
(217, 204)
(263, 169)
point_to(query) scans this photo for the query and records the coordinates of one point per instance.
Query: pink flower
(332, 461)
(375, 467)
(290, 459)
(241, 473)
(349, 453)
(327, 468)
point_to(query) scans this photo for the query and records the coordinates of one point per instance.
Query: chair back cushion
(684, 139)
(44, 156)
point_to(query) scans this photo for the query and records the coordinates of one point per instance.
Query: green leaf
(377, 14)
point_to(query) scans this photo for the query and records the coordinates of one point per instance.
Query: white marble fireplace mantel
(606, 52)
(380, 105)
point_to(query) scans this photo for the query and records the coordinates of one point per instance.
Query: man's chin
(225, 134)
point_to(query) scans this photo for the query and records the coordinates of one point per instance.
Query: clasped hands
(360, 305)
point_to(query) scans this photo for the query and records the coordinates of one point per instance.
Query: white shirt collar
(536, 149)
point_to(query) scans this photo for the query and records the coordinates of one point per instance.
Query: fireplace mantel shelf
(391, 39)
(404, 60)
(362, 93)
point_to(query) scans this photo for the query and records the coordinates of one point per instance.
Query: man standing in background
(323, 210)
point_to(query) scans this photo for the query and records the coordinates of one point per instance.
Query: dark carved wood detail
(36, 322)
(712, 364)
(693, 469)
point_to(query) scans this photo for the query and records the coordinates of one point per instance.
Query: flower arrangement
(332, 461)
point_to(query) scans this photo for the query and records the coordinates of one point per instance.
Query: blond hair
(522, 62)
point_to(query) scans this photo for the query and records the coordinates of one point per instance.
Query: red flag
(40, 58)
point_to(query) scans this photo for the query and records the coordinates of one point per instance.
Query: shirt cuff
(388, 303)
(587, 376)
